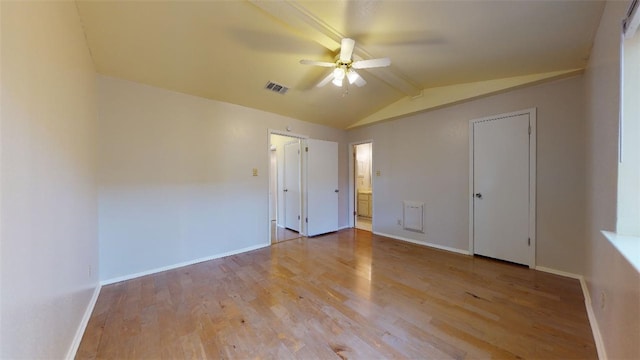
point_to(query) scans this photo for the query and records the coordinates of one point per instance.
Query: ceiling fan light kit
(338, 76)
(353, 76)
(345, 66)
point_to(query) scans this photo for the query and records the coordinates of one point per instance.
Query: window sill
(628, 246)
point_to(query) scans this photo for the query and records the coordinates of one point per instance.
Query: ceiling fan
(345, 67)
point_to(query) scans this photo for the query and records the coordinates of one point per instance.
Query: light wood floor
(345, 295)
(279, 234)
(363, 223)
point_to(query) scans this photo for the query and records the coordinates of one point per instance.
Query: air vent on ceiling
(275, 87)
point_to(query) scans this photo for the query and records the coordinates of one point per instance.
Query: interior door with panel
(292, 186)
(501, 188)
(322, 186)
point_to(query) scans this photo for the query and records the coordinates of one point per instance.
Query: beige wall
(609, 276)
(49, 247)
(175, 175)
(425, 157)
(362, 167)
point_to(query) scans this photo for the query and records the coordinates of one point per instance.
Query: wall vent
(275, 87)
(413, 215)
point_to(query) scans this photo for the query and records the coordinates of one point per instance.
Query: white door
(273, 185)
(501, 188)
(322, 186)
(292, 186)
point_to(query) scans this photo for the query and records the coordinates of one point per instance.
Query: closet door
(501, 189)
(322, 186)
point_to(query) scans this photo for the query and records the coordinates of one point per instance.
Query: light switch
(255, 172)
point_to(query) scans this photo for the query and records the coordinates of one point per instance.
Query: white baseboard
(424, 243)
(179, 265)
(344, 227)
(595, 329)
(71, 354)
(559, 272)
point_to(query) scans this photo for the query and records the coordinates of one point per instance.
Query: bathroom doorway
(363, 185)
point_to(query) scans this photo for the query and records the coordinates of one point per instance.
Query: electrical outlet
(255, 172)
(603, 298)
(400, 222)
(377, 172)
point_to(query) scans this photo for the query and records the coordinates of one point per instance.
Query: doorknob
(479, 195)
(285, 190)
(337, 190)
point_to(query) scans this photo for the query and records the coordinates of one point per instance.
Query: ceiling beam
(439, 97)
(302, 20)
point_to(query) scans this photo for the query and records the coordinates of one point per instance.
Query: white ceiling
(228, 50)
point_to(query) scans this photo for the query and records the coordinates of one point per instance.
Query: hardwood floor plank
(345, 295)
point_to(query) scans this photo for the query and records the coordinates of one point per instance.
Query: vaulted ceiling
(229, 50)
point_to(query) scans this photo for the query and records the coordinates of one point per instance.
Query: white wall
(48, 185)
(175, 174)
(425, 157)
(607, 272)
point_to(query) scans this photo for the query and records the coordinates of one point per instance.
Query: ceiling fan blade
(326, 80)
(317, 63)
(371, 63)
(355, 78)
(346, 49)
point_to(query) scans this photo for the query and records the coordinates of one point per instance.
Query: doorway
(502, 187)
(363, 186)
(284, 192)
(306, 186)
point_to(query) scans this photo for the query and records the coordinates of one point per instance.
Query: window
(629, 166)
(627, 236)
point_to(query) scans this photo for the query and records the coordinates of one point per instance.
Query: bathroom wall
(363, 167)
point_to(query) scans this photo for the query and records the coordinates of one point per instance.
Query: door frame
(352, 182)
(532, 178)
(291, 135)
